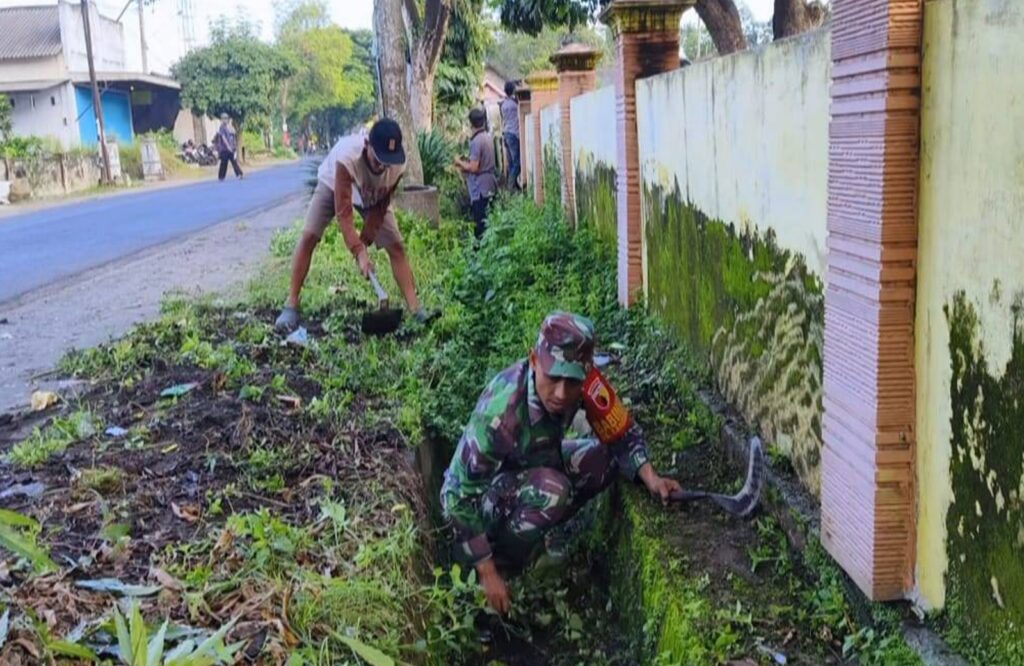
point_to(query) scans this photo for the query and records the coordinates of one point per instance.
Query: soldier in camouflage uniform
(513, 476)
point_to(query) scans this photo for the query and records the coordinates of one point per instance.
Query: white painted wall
(33, 69)
(746, 137)
(593, 126)
(971, 236)
(528, 158)
(47, 113)
(551, 130)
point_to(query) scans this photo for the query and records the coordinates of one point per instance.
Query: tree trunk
(722, 20)
(422, 101)
(793, 17)
(426, 57)
(389, 33)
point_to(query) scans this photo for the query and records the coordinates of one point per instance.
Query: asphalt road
(40, 248)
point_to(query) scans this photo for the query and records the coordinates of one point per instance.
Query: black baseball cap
(386, 141)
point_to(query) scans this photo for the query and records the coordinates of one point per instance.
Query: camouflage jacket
(509, 431)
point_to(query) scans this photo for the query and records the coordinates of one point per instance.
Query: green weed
(44, 443)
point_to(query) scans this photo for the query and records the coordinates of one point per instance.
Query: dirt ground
(93, 307)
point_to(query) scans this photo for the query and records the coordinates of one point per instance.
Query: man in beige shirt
(361, 173)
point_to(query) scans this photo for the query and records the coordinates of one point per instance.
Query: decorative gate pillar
(576, 64)
(867, 496)
(523, 97)
(543, 93)
(647, 43)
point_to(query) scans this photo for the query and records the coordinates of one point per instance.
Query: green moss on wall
(596, 197)
(552, 172)
(754, 309)
(985, 523)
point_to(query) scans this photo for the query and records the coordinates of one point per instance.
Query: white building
(45, 71)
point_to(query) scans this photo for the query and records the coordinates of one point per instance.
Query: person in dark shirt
(226, 143)
(510, 127)
(479, 169)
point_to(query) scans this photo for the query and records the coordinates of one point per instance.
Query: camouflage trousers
(521, 506)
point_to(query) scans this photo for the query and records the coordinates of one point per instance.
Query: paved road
(39, 248)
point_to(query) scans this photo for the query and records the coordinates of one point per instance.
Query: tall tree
(389, 29)
(793, 17)
(723, 22)
(428, 30)
(236, 74)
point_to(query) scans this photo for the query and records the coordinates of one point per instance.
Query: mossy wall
(596, 198)
(969, 353)
(753, 308)
(551, 151)
(985, 522)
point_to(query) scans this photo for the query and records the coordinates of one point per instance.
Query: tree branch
(435, 26)
(414, 15)
(722, 20)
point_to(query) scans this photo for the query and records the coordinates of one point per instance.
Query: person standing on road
(361, 172)
(514, 477)
(226, 143)
(479, 169)
(510, 127)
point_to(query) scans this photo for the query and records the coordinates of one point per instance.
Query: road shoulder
(103, 303)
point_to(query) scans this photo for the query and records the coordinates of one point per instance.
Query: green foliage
(18, 535)
(332, 86)
(6, 120)
(138, 648)
(22, 147)
(531, 16)
(436, 153)
(516, 54)
(461, 68)
(236, 74)
(45, 443)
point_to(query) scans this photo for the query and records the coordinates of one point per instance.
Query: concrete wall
(594, 157)
(47, 113)
(33, 69)
(528, 154)
(52, 175)
(970, 331)
(734, 164)
(107, 39)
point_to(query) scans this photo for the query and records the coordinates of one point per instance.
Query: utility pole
(97, 105)
(142, 38)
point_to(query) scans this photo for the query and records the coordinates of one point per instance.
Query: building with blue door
(45, 72)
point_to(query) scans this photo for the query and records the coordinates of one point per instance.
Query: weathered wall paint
(753, 308)
(593, 146)
(968, 336)
(746, 136)
(551, 151)
(734, 155)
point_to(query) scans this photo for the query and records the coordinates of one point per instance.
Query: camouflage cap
(565, 346)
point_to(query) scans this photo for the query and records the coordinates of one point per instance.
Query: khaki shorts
(321, 212)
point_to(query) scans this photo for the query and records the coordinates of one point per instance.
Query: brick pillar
(647, 43)
(543, 93)
(576, 65)
(523, 97)
(867, 496)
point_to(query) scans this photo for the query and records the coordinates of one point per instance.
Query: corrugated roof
(29, 32)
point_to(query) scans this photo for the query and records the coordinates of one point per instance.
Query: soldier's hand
(663, 488)
(494, 587)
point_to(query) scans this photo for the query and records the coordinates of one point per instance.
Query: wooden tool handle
(382, 296)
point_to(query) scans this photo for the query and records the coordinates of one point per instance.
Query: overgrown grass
(358, 566)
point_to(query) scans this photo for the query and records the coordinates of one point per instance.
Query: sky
(164, 31)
